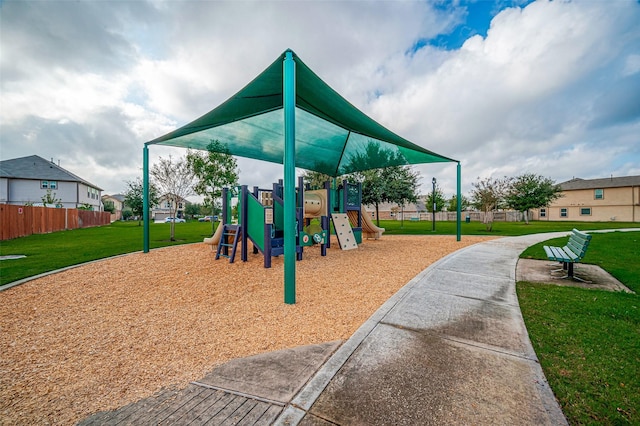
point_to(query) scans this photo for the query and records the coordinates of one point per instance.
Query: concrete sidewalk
(449, 348)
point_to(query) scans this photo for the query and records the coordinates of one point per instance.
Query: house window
(44, 184)
(543, 212)
(180, 205)
(585, 211)
(167, 204)
(53, 184)
(598, 194)
(563, 212)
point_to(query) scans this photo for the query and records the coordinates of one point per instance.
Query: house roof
(37, 168)
(332, 136)
(610, 182)
(118, 197)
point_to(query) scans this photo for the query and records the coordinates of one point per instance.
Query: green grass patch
(616, 252)
(500, 229)
(588, 343)
(48, 252)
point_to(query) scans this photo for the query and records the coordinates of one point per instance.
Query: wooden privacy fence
(20, 221)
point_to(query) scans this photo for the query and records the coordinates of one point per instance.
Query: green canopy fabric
(331, 135)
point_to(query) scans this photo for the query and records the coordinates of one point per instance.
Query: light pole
(433, 199)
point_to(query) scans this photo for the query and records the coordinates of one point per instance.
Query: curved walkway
(449, 348)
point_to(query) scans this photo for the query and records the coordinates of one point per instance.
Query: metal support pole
(459, 205)
(145, 199)
(289, 94)
(433, 205)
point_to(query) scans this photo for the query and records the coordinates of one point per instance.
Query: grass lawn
(500, 229)
(588, 341)
(47, 252)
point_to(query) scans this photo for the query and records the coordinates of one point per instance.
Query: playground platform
(449, 348)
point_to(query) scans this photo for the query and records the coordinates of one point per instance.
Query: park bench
(572, 253)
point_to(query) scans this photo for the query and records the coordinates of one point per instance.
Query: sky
(505, 86)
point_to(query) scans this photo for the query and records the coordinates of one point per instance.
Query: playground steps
(229, 240)
(341, 224)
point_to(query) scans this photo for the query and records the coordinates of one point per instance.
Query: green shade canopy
(331, 135)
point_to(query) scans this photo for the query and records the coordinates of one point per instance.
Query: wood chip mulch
(102, 335)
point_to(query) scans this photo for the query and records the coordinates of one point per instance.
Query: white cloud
(549, 90)
(524, 98)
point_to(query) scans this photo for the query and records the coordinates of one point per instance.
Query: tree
(213, 170)
(133, 198)
(487, 194)
(86, 206)
(315, 180)
(400, 186)
(372, 188)
(531, 191)
(175, 181)
(452, 203)
(192, 209)
(439, 198)
(109, 206)
(380, 185)
(394, 184)
(50, 198)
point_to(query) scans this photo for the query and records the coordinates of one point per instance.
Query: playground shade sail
(331, 135)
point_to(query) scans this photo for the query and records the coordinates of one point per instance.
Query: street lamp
(433, 199)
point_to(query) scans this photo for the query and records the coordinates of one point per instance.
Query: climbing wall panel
(341, 224)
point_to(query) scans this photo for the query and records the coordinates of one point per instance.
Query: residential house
(164, 209)
(118, 205)
(27, 180)
(595, 200)
(391, 211)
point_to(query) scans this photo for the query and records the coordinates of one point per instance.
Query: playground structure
(291, 112)
(261, 220)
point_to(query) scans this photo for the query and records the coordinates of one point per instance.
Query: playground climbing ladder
(229, 239)
(341, 224)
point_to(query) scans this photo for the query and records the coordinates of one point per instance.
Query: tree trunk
(526, 216)
(488, 220)
(377, 216)
(172, 224)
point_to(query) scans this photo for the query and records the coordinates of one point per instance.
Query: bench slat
(570, 254)
(559, 254)
(578, 249)
(549, 252)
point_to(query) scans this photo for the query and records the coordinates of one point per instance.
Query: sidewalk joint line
(244, 395)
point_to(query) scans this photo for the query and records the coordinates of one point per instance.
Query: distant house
(118, 205)
(27, 180)
(164, 208)
(392, 211)
(595, 200)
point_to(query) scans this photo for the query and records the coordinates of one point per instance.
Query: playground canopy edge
(331, 135)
